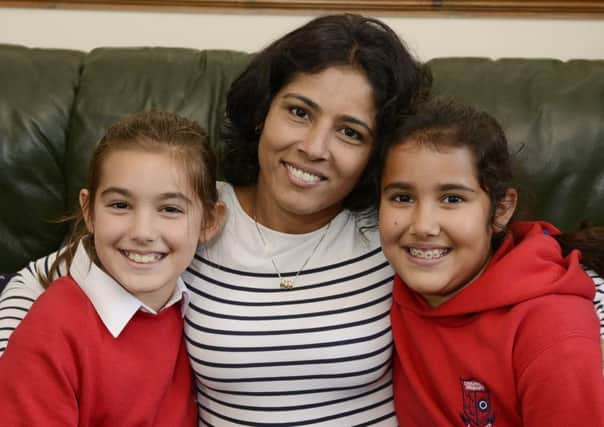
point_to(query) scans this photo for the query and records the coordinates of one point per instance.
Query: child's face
(434, 219)
(147, 222)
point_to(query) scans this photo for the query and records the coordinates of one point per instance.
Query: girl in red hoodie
(492, 320)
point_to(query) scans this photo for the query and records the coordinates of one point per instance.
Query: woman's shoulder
(226, 192)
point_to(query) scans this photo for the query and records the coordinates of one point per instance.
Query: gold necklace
(283, 282)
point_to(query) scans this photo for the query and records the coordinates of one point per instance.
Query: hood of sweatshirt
(527, 265)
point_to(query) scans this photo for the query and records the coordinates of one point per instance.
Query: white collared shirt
(115, 305)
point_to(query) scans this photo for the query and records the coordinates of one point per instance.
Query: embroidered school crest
(477, 408)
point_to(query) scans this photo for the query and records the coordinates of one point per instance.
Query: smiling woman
(316, 141)
(292, 299)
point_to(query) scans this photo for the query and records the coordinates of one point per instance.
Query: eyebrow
(162, 196)
(312, 104)
(442, 187)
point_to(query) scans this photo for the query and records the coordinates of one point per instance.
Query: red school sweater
(62, 367)
(519, 346)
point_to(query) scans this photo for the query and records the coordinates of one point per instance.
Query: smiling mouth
(147, 258)
(303, 175)
(428, 254)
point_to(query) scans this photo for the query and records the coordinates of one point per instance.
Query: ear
(505, 209)
(84, 198)
(213, 224)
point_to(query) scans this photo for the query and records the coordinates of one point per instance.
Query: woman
(289, 322)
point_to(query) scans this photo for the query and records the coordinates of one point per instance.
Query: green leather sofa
(55, 105)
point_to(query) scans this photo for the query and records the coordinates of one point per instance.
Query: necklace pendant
(286, 284)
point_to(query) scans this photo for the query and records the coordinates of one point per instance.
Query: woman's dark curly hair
(367, 44)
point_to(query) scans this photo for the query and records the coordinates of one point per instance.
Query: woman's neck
(266, 212)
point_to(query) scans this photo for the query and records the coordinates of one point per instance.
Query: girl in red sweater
(492, 320)
(104, 345)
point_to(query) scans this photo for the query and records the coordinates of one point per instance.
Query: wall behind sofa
(428, 36)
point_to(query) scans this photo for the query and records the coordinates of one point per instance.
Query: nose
(424, 222)
(143, 227)
(315, 142)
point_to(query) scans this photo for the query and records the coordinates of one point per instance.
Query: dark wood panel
(568, 8)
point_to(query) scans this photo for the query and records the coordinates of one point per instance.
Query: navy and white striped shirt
(317, 354)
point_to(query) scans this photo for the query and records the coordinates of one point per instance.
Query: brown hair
(590, 241)
(151, 131)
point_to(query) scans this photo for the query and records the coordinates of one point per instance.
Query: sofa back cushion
(37, 92)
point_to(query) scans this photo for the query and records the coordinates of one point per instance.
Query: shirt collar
(114, 305)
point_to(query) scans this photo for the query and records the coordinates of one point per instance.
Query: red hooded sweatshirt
(520, 346)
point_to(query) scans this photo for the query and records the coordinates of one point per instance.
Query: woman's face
(316, 141)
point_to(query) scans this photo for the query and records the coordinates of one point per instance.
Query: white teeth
(143, 259)
(302, 175)
(428, 254)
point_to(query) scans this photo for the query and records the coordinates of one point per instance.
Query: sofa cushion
(37, 90)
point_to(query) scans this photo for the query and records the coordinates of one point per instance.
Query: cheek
(390, 225)
(351, 162)
(188, 232)
(272, 135)
(265, 151)
(100, 227)
(476, 224)
(467, 232)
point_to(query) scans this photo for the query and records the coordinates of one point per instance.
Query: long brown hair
(151, 131)
(590, 241)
